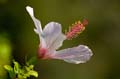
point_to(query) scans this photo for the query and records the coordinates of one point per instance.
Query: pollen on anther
(76, 29)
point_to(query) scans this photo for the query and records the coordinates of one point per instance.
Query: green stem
(32, 60)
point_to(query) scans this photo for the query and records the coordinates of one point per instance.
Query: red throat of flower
(76, 29)
(41, 53)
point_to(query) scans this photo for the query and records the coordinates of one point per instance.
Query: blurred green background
(102, 35)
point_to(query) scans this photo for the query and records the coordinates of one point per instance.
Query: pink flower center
(42, 53)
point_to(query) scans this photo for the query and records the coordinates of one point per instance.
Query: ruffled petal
(37, 23)
(38, 28)
(76, 55)
(53, 35)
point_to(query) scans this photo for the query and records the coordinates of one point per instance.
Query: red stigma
(85, 22)
(76, 29)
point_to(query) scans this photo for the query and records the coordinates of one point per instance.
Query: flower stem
(32, 60)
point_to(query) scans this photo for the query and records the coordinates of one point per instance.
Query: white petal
(53, 35)
(76, 55)
(36, 21)
(36, 31)
(30, 10)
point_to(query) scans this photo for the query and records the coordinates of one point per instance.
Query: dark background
(102, 35)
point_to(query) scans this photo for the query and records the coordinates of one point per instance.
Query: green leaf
(10, 71)
(33, 60)
(31, 66)
(16, 67)
(33, 73)
(21, 72)
(8, 67)
(20, 76)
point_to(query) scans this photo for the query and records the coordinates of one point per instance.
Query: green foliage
(21, 72)
(10, 70)
(33, 60)
(5, 53)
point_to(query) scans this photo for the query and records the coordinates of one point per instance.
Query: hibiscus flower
(51, 38)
